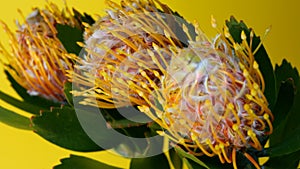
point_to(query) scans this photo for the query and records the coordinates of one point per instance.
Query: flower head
(37, 59)
(121, 49)
(211, 99)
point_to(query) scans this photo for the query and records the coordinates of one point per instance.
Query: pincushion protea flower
(117, 49)
(38, 61)
(211, 99)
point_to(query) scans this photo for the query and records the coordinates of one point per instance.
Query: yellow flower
(121, 48)
(208, 96)
(37, 59)
(211, 99)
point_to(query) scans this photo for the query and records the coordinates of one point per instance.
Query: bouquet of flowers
(148, 84)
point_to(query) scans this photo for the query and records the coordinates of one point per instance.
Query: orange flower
(37, 59)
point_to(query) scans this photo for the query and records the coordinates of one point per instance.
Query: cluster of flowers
(206, 94)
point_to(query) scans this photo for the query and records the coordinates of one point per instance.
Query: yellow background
(26, 150)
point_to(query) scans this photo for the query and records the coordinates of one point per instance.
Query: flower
(211, 99)
(121, 47)
(37, 60)
(207, 95)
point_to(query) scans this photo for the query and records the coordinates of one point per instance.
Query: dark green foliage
(31, 104)
(159, 161)
(79, 162)
(284, 148)
(83, 18)
(67, 91)
(187, 156)
(69, 37)
(176, 159)
(13, 119)
(61, 127)
(284, 72)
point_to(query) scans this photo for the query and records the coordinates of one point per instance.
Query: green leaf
(191, 164)
(159, 161)
(31, 104)
(214, 162)
(188, 164)
(28, 98)
(61, 127)
(116, 120)
(287, 78)
(284, 150)
(290, 161)
(175, 158)
(67, 92)
(79, 162)
(31, 108)
(131, 147)
(69, 37)
(285, 138)
(83, 18)
(125, 123)
(261, 57)
(211, 162)
(284, 103)
(14, 119)
(243, 162)
(284, 72)
(180, 34)
(184, 154)
(287, 146)
(286, 112)
(293, 116)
